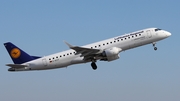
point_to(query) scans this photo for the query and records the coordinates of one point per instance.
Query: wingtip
(69, 45)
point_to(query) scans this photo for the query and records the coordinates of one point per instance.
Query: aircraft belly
(78, 60)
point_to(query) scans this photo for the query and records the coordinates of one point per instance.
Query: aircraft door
(44, 62)
(149, 34)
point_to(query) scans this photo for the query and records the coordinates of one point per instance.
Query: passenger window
(114, 41)
(56, 56)
(121, 39)
(49, 59)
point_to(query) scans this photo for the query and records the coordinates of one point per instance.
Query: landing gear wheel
(93, 65)
(154, 45)
(155, 48)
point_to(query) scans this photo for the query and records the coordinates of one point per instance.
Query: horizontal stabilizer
(16, 65)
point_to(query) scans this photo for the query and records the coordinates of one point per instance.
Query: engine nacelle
(111, 54)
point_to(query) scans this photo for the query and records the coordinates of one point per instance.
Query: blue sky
(40, 26)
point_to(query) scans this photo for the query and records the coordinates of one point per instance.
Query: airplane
(106, 50)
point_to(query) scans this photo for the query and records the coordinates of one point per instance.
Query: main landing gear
(93, 65)
(154, 45)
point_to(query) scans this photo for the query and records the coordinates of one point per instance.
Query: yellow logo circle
(15, 53)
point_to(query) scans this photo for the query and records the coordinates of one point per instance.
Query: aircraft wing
(84, 51)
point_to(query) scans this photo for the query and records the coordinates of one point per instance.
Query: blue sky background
(40, 26)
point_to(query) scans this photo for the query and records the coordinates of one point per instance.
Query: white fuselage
(124, 42)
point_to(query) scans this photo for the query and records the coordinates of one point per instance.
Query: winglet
(69, 45)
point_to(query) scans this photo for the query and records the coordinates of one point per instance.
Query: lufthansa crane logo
(15, 53)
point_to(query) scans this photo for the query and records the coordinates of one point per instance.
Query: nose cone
(168, 34)
(164, 34)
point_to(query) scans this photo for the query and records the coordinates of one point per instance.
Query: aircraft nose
(164, 34)
(168, 34)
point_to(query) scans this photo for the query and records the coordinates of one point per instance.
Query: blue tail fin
(17, 55)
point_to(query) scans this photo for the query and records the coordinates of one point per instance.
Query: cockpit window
(157, 29)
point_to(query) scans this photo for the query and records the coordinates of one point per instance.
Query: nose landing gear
(154, 45)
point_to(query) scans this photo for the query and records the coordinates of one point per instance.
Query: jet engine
(111, 54)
